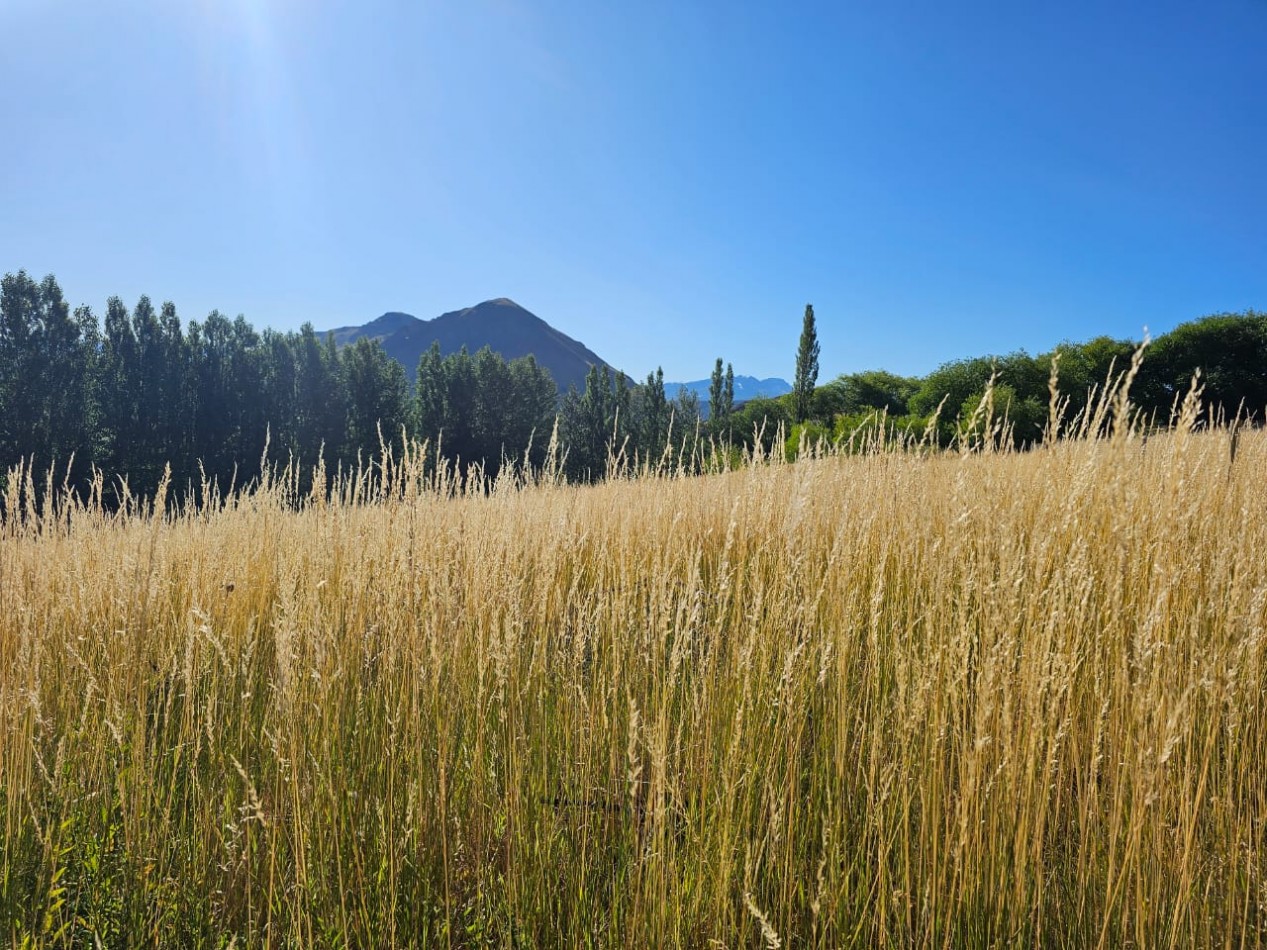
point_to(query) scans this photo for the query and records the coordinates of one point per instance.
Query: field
(895, 698)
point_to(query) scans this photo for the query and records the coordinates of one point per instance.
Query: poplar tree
(715, 384)
(727, 399)
(651, 415)
(806, 366)
(721, 397)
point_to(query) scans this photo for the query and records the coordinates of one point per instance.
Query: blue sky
(667, 182)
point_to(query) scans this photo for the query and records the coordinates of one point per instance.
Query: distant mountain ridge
(501, 324)
(746, 388)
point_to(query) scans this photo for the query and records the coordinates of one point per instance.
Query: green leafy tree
(280, 393)
(532, 409)
(430, 392)
(650, 417)
(490, 424)
(248, 414)
(828, 401)
(117, 382)
(728, 394)
(45, 359)
(231, 424)
(1231, 352)
(721, 398)
(594, 423)
(953, 382)
(336, 405)
(806, 366)
(176, 393)
(715, 383)
(878, 389)
(377, 398)
(20, 365)
(319, 413)
(155, 395)
(1084, 368)
(459, 407)
(760, 419)
(687, 424)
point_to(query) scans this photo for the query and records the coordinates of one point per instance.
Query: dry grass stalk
(899, 698)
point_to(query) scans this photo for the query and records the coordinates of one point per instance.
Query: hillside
(501, 324)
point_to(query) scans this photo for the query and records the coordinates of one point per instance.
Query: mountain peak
(500, 324)
(499, 308)
(377, 329)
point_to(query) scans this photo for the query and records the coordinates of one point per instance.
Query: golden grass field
(897, 698)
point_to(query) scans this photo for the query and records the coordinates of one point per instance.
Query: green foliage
(1231, 352)
(950, 386)
(138, 395)
(142, 395)
(807, 437)
(758, 422)
(828, 401)
(430, 394)
(858, 431)
(1019, 392)
(721, 400)
(46, 361)
(377, 397)
(651, 417)
(1003, 408)
(806, 366)
(530, 411)
(715, 384)
(596, 424)
(877, 389)
(483, 410)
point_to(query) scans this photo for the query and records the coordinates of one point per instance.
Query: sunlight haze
(665, 182)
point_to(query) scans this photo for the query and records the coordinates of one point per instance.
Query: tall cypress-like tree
(650, 416)
(721, 398)
(806, 366)
(715, 383)
(726, 406)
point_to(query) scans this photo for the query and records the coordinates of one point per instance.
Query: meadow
(891, 697)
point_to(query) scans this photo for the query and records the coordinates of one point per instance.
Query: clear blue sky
(666, 181)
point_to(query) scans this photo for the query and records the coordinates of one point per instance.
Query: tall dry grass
(899, 698)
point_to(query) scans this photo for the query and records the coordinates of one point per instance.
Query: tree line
(1229, 350)
(137, 394)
